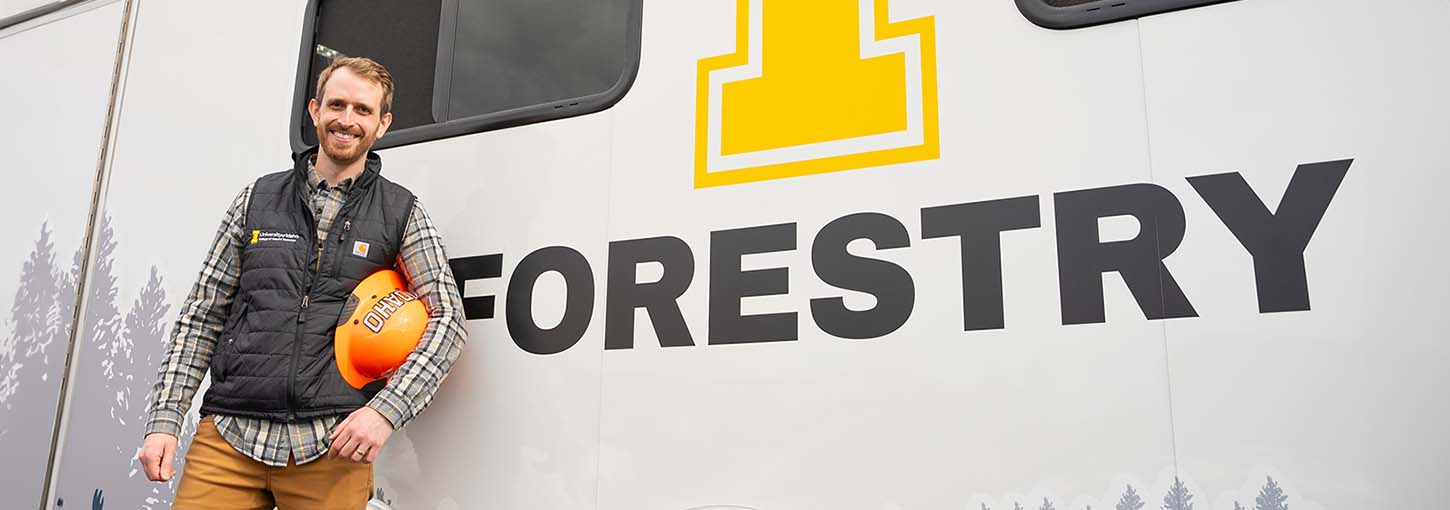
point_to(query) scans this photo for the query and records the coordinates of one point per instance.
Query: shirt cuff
(391, 406)
(166, 421)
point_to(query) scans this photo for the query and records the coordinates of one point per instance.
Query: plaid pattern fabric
(421, 259)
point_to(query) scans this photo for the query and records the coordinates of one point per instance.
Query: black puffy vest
(274, 358)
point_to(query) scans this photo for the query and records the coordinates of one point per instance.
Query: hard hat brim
(341, 345)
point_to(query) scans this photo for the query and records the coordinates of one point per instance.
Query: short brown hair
(367, 69)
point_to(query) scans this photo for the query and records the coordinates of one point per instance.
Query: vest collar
(371, 169)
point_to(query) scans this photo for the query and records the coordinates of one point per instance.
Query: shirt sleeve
(194, 337)
(424, 262)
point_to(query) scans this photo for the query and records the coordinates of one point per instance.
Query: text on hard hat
(385, 308)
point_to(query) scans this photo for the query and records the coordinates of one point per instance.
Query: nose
(346, 117)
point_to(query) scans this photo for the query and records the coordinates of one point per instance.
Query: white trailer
(772, 254)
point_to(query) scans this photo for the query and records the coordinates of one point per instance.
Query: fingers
(339, 436)
(156, 455)
(150, 463)
(366, 451)
(340, 427)
(346, 443)
(354, 446)
(359, 437)
(168, 461)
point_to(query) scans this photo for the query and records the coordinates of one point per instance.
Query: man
(281, 426)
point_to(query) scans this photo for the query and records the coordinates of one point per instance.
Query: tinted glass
(467, 66)
(402, 36)
(514, 53)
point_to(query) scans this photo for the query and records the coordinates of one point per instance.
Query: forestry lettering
(1276, 241)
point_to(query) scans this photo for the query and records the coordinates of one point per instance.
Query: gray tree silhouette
(1016, 506)
(51, 350)
(65, 309)
(30, 367)
(34, 301)
(103, 321)
(1130, 500)
(1046, 505)
(1178, 497)
(1271, 497)
(99, 455)
(141, 339)
(145, 330)
(1237, 506)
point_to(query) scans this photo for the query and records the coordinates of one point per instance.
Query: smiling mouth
(342, 136)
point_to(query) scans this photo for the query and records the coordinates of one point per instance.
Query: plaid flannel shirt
(421, 259)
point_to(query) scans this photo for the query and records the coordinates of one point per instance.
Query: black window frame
(542, 112)
(1101, 12)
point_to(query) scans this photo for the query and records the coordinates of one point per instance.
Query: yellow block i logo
(815, 87)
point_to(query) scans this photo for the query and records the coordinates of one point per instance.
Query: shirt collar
(316, 182)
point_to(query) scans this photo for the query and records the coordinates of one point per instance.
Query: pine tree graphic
(1237, 506)
(1271, 497)
(104, 395)
(1178, 497)
(145, 330)
(34, 301)
(1046, 505)
(1130, 500)
(51, 350)
(30, 365)
(103, 322)
(141, 338)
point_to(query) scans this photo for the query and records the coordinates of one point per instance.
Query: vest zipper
(296, 352)
(341, 240)
(307, 297)
(302, 314)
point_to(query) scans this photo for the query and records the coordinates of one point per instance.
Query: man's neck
(333, 172)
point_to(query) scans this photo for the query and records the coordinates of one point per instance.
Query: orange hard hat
(382, 323)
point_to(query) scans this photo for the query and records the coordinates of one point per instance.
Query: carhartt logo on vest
(360, 249)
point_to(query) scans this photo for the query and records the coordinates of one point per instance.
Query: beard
(345, 152)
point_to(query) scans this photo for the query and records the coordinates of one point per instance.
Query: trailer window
(467, 66)
(1067, 14)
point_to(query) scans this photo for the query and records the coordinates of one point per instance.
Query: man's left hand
(360, 436)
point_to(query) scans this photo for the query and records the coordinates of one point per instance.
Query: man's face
(347, 116)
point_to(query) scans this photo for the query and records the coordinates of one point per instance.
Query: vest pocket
(219, 360)
(235, 319)
(226, 349)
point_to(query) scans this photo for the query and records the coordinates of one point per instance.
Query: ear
(312, 110)
(383, 123)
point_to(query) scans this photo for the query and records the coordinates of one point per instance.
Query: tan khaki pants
(216, 476)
